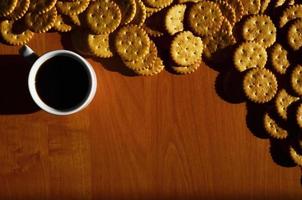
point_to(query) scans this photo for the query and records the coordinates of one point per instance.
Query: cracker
(278, 58)
(73, 7)
(158, 3)
(141, 13)
(186, 49)
(151, 69)
(20, 10)
(296, 79)
(128, 10)
(99, 45)
(205, 18)
(260, 29)
(15, 38)
(273, 128)
(238, 7)
(249, 55)
(296, 158)
(151, 32)
(213, 45)
(174, 19)
(251, 7)
(132, 42)
(283, 101)
(260, 85)
(141, 62)
(264, 5)
(41, 23)
(186, 69)
(7, 7)
(41, 6)
(103, 17)
(294, 35)
(61, 24)
(227, 11)
(291, 13)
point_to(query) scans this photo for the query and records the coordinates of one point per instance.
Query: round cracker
(186, 49)
(260, 85)
(174, 19)
(294, 35)
(99, 45)
(273, 128)
(260, 29)
(41, 6)
(249, 55)
(20, 10)
(278, 58)
(283, 101)
(205, 18)
(12, 38)
(140, 63)
(132, 42)
(251, 7)
(238, 7)
(7, 7)
(291, 13)
(103, 17)
(41, 23)
(72, 7)
(141, 13)
(151, 69)
(296, 79)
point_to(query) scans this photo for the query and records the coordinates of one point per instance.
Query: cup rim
(32, 80)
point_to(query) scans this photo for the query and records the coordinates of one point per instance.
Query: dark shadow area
(15, 98)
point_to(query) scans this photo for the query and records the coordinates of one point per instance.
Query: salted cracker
(283, 101)
(174, 19)
(290, 13)
(273, 128)
(186, 49)
(41, 23)
(294, 35)
(279, 58)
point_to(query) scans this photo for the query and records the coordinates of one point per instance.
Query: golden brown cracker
(174, 19)
(41, 23)
(294, 35)
(73, 7)
(273, 128)
(279, 58)
(296, 79)
(282, 102)
(290, 13)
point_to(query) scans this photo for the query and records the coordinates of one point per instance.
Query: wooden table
(163, 137)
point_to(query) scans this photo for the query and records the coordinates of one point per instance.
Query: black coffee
(62, 83)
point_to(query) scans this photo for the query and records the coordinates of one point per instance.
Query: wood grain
(165, 137)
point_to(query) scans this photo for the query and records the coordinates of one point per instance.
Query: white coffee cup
(37, 62)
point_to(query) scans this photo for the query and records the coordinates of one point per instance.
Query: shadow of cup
(15, 97)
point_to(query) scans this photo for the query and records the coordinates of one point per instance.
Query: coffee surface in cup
(62, 83)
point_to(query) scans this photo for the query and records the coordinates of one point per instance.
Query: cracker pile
(262, 38)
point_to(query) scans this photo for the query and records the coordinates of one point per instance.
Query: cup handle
(28, 54)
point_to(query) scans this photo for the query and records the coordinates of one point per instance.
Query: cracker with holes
(186, 49)
(174, 19)
(41, 23)
(21, 37)
(62, 24)
(249, 55)
(205, 18)
(103, 17)
(283, 101)
(99, 45)
(151, 69)
(20, 10)
(296, 79)
(291, 13)
(260, 85)
(7, 7)
(294, 35)
(260, 29)
(278, 58)
(132, 42)
(251, 7)
(141, 62)
(273, 128)
(141, 14)
(73, 7)
(41, 6)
